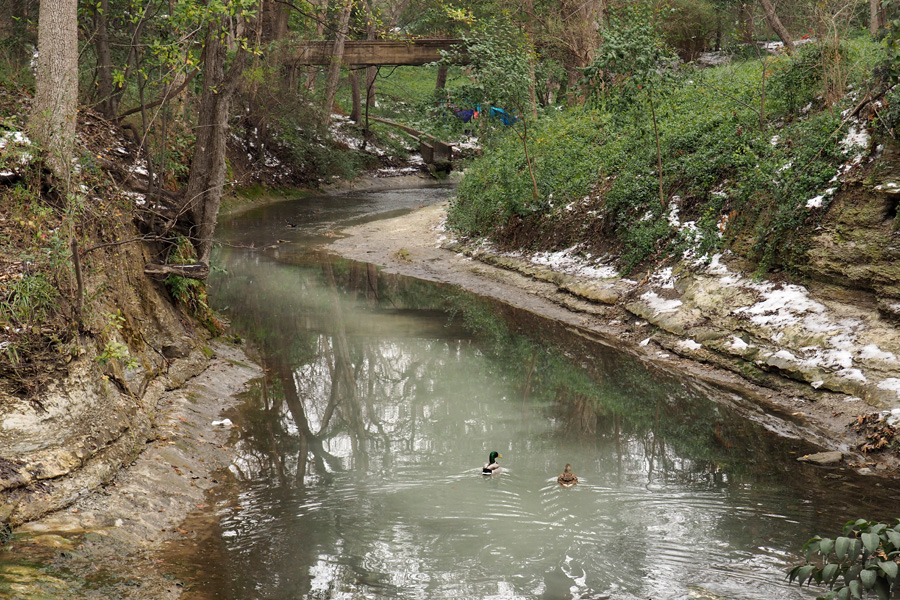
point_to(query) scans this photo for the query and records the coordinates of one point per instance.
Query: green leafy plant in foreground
(864, 559)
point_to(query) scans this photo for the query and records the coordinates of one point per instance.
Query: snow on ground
(737, 345)
(18, 144)
(660, 305)
(891, 385)
(873, 352)
(857, 137)
(780, 306)
(567, 261)
(689, 344)
(663, 278)
(783, 308)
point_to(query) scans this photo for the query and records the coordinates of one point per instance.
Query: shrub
(796, 80)
(865, 557)
(29, 300)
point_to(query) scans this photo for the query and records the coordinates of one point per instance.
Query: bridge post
(442, 152)
(427, 152)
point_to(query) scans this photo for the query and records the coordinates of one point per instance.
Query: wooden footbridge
(376, 53)
(371, 53)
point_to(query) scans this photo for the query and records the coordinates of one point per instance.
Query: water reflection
(361, 452)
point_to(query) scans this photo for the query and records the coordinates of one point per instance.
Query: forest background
(124, 122)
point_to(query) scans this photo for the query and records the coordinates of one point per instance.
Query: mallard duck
(567, 478)
(491, 467)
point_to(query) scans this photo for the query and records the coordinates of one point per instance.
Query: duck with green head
(491, 467)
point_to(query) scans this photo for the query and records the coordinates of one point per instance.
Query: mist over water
(361, 451)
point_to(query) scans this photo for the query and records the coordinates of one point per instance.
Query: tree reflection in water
(365, 375)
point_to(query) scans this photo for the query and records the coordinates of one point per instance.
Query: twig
(79, 298)
(145, 238)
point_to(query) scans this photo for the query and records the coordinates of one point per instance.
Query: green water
(361, 451)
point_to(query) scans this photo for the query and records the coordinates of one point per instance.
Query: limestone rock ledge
(87, 427)
(822, 335)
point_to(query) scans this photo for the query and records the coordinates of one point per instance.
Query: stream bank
(104, 540)
(714, 324)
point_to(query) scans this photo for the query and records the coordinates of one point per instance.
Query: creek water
(361, 451)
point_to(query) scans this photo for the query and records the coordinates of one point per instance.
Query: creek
(360, 453)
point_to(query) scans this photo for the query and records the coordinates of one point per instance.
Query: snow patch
(736, 344)
(780, 307)
(567, 261)
(855, 138)
(660, 305)
(852, 375)
(873, 352)
(664, 279)
(689, 344)
(716, 267)
(892, 384)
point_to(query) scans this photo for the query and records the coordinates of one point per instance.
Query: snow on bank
(568, 261)
(14, 145)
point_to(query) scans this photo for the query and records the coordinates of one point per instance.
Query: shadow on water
(360, 455)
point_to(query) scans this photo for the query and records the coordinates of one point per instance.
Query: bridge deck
(373, 53)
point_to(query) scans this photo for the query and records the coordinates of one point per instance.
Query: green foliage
(728, 171)
(499, 59)
(795, 80)
(633, 57)
(114, 349)
(310, 148)
(692, 25)
(862, 562)
(494, 190)
(29, 300)
(119, 352)
(890, 69)
(191, 294)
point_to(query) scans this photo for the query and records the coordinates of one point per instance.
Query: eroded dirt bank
(685, 320)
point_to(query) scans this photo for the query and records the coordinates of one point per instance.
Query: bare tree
(52, 120)
(745, 22)
(108, 100)
(876, 16)
(334, 69)
(203, 194)
(576, 26)
(775, 23)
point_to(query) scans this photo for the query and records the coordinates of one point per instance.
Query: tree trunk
(108, 101)
(274, 20)
(313, 70)
(371, 72)
(876, 17)
(356, 111)
(572, 75)
(203, 194)
(529, 32)
(441, 81)
(746, 23)
(334, 69)
(777, 27)
(53, 113)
